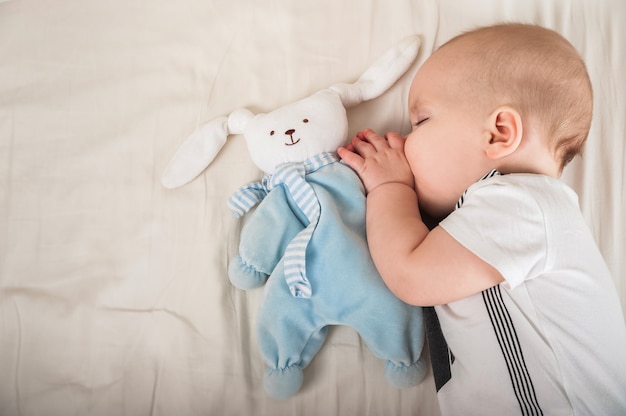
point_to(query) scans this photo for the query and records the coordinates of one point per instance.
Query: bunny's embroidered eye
(306, 120)
(272, 133)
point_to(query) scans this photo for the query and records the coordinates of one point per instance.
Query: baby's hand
(378, 160)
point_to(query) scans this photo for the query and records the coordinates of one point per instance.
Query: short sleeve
(503, 224)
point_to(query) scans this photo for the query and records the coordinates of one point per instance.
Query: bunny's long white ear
(200, 148)
(383, 73)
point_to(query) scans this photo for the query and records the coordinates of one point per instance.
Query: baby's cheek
(423, 169)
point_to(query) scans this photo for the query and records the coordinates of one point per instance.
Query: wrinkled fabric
(114, 295)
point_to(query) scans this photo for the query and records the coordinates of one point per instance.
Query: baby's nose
(290, 131)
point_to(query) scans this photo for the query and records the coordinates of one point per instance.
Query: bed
(114, 296)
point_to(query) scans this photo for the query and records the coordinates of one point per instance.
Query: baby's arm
(420, 267)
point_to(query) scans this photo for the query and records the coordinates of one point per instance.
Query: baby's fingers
(363, 147)
(395, 140)
(352, 159)
(349, 147)
(370, 136)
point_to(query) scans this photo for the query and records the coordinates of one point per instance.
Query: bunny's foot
(283, 383)
(243, 276)
(402, 376)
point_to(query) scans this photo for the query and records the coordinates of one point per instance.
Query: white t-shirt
(550, 339)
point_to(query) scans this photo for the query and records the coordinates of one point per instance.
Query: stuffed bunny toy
(306, 238)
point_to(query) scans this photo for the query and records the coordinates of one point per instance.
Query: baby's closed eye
(421, 121)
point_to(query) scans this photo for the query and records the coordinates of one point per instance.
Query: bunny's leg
(398, 338)
(289, 337)
(263, 241)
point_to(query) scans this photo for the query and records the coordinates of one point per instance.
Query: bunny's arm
(263, 241)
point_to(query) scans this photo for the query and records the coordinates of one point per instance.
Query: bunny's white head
(297, 131)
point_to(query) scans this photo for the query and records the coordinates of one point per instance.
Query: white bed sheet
(114, 298)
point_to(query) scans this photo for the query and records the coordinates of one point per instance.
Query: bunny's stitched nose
(290, 133)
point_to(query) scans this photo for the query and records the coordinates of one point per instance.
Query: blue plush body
(346, 287)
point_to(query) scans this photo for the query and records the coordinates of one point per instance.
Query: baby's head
(537, 72)
(511, 97)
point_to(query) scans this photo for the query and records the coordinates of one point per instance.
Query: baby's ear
(505, 130)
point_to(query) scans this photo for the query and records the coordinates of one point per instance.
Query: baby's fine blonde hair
(538, 72)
